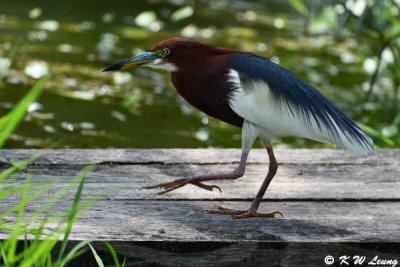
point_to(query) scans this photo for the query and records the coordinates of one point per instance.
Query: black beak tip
(110, 68)
(116, 66)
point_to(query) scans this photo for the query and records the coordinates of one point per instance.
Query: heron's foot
(180, 183)
(240, 214)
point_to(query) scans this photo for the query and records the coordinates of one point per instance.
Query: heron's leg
(249, 134)
(252, 211)
(198, 179)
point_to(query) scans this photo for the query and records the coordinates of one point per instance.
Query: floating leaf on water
(87, 125)
(67, 126)
(34, 107)
(262, 47)
(279, 23)
(158, 89)
(49, 25)
(348, 57)
(42, 116)
(156, 26)
(36, 69)
(35, 13)
(118, 115)
(208, 32)
(37, 35)
(333, 70)
(129, 101)
(108, 17)
(249, 15)
(49, 129)
(202, 135)
(182, 13)
(186, 109)
(190, 31)
(133, 33)
(70, 82)
(65, 48)
(16, 78)
(106, 45)
(6, 105)
(311, 61)
(85, 95)
(122, 78)
(275, 59)
(32, 142)
(85, 26)
(241, 32)
(146, 18)
(91, 57)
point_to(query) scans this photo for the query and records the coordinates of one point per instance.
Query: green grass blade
(25, 201)
(11, 55)
(13, 189)
(96, 256)
(54, 199)
(16, 167)
(114, 255)
(376, 135)
(73, 252)
(12, 241)
(13, 118)
(37, 250)
(3, 255)
(73, 210)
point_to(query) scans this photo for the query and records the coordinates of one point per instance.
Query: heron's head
(170, 55)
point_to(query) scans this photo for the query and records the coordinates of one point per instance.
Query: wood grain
(325, 195)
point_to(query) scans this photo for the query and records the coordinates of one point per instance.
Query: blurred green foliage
(366, 20)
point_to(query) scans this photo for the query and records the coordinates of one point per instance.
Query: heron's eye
(164, 52)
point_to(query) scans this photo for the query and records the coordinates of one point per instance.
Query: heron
(252, 92)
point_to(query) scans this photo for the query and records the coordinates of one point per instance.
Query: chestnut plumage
(252, 92)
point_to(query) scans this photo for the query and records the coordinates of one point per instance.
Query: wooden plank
(316, 181)
(308, 189)
(198, 156)
(303, 221)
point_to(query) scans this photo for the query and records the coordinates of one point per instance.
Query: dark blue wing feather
(299, 97)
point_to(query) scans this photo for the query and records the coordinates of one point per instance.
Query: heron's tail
(352, 138)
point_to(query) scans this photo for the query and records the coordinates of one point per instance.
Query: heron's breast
(209, 92)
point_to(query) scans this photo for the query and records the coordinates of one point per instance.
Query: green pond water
(82, 107)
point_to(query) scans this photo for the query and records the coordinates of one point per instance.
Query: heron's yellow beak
(138, 60)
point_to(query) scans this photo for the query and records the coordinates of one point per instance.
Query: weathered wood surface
(302, 174)
(325, 195)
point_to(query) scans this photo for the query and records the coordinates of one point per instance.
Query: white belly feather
(255, 104)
